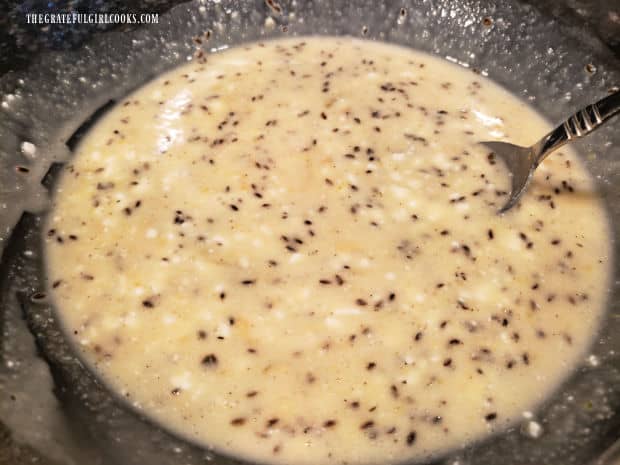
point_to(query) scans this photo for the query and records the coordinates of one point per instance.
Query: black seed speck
(367, 424)
(209, 360)
(37, 296)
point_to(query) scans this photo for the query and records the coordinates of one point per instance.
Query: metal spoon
(522, 161)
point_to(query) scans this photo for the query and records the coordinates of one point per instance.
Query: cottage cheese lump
(290, 252)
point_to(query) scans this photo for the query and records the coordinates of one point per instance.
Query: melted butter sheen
(291, 253)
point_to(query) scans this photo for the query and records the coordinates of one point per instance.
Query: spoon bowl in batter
(522, 161)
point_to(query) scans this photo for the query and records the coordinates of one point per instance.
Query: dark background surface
(20, 41)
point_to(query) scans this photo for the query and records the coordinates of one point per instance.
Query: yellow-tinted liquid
(291, 253)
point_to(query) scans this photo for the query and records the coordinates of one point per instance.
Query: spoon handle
(578, 125)
(591, 117)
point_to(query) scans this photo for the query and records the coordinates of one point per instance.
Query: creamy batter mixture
(291, 253)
